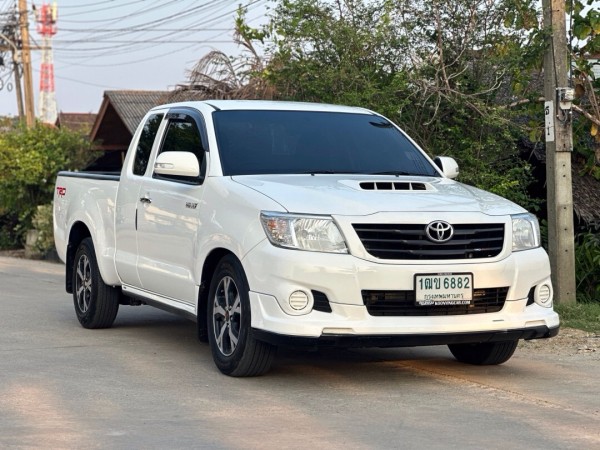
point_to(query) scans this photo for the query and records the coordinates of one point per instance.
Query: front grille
(402, 303)
(408, 241)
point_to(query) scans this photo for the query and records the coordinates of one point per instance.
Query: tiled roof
(81, 122)
(131, 106)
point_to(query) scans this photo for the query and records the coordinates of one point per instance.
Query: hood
(361, 195)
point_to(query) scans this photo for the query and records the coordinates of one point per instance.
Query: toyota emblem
(439, 231)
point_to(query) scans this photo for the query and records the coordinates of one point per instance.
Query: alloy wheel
(227, 315)
(83, 284)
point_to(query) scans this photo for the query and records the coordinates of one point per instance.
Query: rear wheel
(234, 349)
(484, 354)
(96, 304)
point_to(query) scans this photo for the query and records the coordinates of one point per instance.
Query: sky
(128, 44)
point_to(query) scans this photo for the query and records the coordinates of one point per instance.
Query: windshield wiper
(396, 173)
(382, 124)
(329, 172)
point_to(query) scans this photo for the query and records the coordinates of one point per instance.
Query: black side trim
(405, 340)
(91, 175)
(146, 301)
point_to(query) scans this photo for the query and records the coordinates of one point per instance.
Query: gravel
(569, 342)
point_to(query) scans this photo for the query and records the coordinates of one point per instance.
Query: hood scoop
(395, 186)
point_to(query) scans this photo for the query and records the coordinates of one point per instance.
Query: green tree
(444, 71)
(29, 161)
(337, 52)
(585, 46)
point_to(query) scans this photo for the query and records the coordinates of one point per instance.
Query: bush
(42, 222)
(30, 158)
(587, 266)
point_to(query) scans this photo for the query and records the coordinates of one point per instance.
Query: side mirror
(183, 164)
(447, 165)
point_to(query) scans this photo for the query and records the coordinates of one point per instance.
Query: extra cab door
(144, 143)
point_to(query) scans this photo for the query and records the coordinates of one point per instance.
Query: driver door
(168, 218)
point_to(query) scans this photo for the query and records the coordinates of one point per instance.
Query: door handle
(146, 200)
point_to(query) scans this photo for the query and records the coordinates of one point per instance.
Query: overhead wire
(153, 57)
(87, 83)
(120, 5)
(6, 4)
(94, 52)
(174, 18)
(83, 42)
(86, 5)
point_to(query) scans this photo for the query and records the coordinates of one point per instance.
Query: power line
(96, 36)
(120, 5)
(74, 80)
(91, 52)
(174, 18)
(136, 30)
(86, 5)
(138, 12)
(79, 63)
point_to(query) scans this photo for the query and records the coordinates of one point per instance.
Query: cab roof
(269, 105)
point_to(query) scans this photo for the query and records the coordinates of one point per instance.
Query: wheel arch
(79, 231)
(208, 270)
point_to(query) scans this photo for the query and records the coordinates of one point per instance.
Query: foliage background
(29, 162)
(463, 78)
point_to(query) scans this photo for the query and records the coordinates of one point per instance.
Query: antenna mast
(46, 17)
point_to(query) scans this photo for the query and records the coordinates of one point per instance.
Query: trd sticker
(61, 191)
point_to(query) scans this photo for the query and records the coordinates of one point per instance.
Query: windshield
(292, 142)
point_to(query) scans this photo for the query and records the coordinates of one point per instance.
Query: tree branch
(587, 115)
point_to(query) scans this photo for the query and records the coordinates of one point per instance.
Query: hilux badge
(439, 231)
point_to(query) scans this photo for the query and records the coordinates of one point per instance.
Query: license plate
(444, 289)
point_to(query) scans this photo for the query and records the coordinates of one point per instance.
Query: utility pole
(26, 60)
(559, 147)
(16, 67)
(19, 93)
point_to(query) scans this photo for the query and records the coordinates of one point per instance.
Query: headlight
(312, 233)
(526, 232)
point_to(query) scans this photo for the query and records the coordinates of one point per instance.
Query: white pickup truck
(274, 223)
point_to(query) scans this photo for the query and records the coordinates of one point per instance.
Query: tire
(235, 351)
(484, 354)
(96, 304)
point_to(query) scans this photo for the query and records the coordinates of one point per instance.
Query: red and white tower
(46, 17)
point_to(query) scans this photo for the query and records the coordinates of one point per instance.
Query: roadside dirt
(18, 253)
(569, 342)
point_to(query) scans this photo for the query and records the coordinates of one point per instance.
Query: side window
(182, 135)
(142, 154)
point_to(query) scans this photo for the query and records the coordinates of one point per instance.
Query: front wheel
(484, 354)
(96, 304)
(234, 349)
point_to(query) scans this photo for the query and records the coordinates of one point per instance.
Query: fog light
(543, 296)
(298, 300)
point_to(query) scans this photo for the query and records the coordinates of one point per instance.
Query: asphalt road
(148, 383)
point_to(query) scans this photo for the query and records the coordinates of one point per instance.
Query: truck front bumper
(274, 274)
(404, 340)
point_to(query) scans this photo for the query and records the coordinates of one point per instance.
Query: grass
(584, 316)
